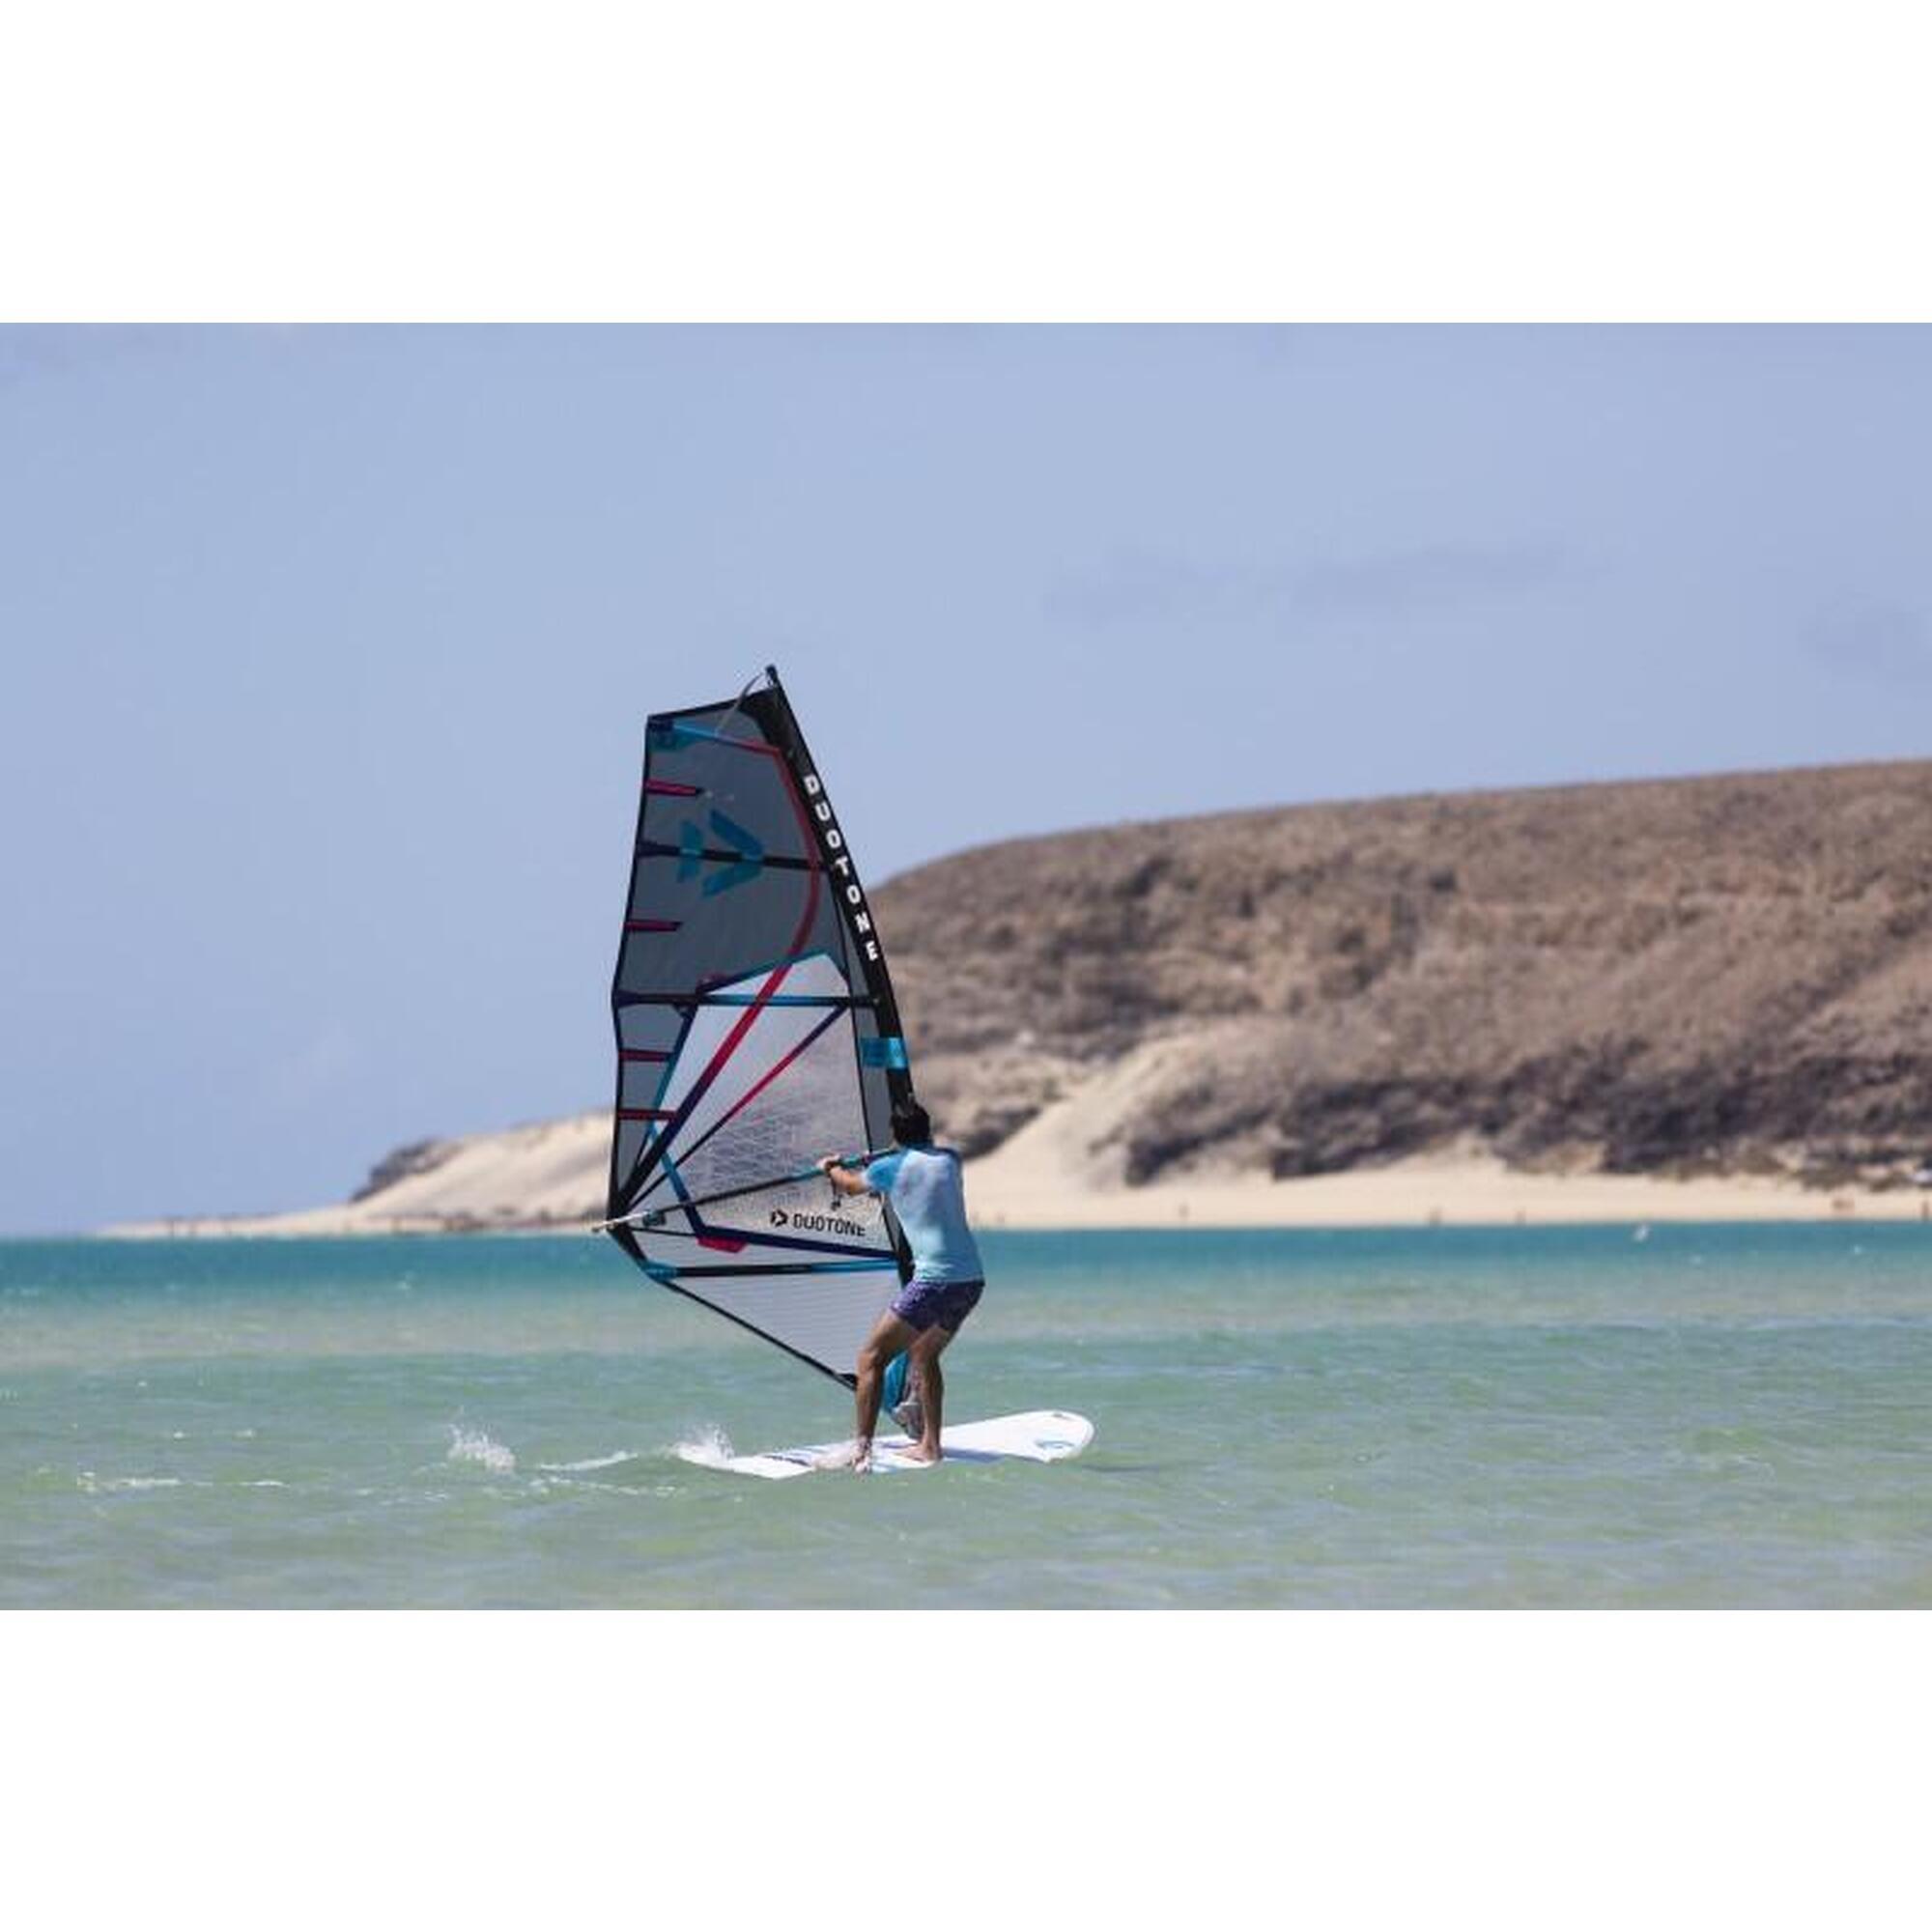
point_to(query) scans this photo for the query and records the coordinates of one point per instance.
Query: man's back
(929, 1195)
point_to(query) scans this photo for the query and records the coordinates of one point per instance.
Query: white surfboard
(1041, 1435)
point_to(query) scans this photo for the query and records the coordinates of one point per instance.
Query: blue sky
(327, 652)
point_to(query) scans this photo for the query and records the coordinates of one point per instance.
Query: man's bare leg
(888, 1337)
(925, 1353)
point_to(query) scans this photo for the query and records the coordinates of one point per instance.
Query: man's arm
(843, 1180)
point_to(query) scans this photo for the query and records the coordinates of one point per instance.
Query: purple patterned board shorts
(921, 1303)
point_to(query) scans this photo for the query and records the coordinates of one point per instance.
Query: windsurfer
(923, 1185)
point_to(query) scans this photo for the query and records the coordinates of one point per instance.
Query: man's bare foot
(862, 1459)
(918, 1452)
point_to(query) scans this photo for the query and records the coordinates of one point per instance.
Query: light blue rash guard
(924, 1187)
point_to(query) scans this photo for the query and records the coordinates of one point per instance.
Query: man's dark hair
(912, 1125)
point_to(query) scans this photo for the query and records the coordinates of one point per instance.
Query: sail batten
(756, 1030)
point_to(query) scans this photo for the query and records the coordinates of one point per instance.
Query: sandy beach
(1453, 1190)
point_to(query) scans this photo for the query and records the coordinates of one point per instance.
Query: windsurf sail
(756, 1030)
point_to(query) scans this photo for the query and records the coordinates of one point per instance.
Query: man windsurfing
(925, 1185)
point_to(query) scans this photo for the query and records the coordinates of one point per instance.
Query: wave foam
(472, 1445)
(610, 1461)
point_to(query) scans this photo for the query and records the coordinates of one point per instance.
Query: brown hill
(1726, 972)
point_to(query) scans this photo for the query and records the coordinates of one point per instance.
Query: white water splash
(94, 1486)
(472, 1445)
(710, 1446)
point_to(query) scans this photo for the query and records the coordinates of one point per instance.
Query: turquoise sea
(1723, 1417)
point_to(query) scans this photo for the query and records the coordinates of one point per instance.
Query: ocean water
(1717, 1416)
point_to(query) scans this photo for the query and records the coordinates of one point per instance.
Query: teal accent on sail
(747, 854)
(888, 1051)
(749, 847)
(690, 850)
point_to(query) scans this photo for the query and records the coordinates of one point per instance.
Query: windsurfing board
(1041, 1435)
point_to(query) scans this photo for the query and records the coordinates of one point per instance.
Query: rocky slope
(1723, 973)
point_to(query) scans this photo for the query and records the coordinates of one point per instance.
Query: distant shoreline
(1008, 1192)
